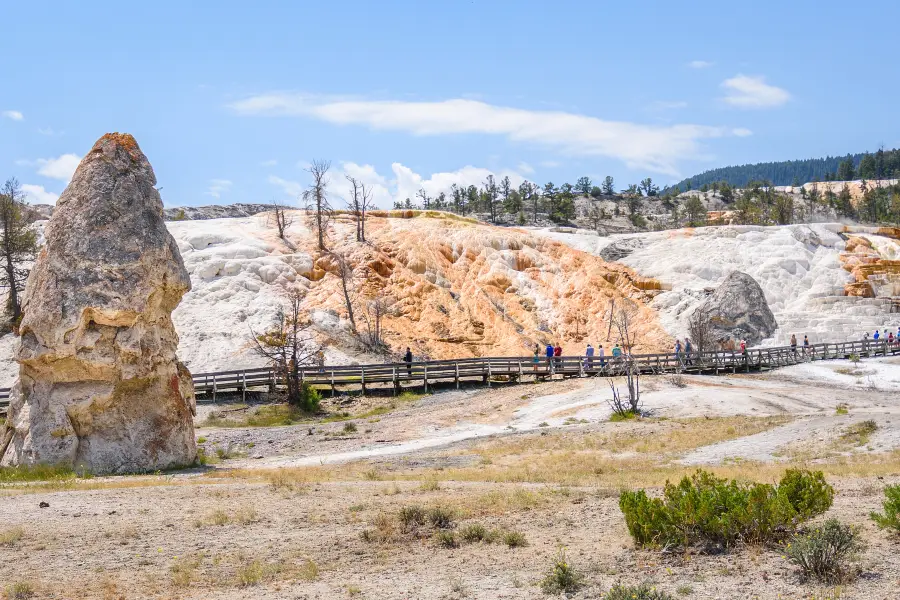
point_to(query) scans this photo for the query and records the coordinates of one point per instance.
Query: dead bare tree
(623, 319)
(375, 309)
(282, 220)
(316, 198)
(359, 202)
(701, 331)
(287, 346)
(345, 273)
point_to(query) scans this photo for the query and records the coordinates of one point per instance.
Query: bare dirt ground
(315, 515)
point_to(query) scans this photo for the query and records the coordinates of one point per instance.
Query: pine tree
(18, 245)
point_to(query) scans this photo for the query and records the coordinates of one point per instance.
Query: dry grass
(184, 570)
(10, 537)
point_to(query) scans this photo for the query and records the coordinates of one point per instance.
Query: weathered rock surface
(100, 386)
(738, 310)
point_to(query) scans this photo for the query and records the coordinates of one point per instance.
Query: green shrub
(473, 532)
(824, 553)
(562, 577)
(891, 517)
(515, 539)
(808, 493)
(349, 428)
(440, 517)
(713, 513)
(446, 539)
(411, 517)
(636, 592)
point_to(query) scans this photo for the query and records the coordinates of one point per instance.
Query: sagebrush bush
(411, 517)
(446, 539)
(824, 553)
(636, 592)
(515, 539)
(473, 532)
(714, 513)
(563, 577)
(440, 517)
(890, 519)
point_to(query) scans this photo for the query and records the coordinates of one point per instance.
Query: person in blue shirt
(877, 335)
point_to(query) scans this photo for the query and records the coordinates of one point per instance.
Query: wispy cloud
(217, 187)
(700, 64)
(36, 194)
(745, 91)
(524, 167)
(291, 189)
(742, 132)
(49, 131)
(61, 167)
(13, 114)
(269, 163)
(650, 147)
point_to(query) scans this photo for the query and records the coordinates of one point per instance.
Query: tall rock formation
(738, 310)
(100, 387)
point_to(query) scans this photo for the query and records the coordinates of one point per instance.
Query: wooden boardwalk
(394, 375)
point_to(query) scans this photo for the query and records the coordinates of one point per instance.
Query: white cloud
(753, 92)
(292, 189)
(269, 163)
(14, 115)
(403, 184)
(36, 194)
(648, 147)
(49, 131)
(61, 167)
(550, 164)
(700, 64)
(741, 132)
(524, 167)
(217, 187)
(669, 105)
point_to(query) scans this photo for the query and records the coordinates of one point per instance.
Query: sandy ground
(249, 528)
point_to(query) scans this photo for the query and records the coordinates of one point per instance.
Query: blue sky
(230, 100)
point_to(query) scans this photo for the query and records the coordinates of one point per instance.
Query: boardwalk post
(214, 389)
(396, 385)
(489, 374)
(244, 386)
(456, 364)
(333, 391)
(521, 374)
(362, 379)
(425, 379)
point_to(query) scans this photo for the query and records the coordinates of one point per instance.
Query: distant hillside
(877, 165)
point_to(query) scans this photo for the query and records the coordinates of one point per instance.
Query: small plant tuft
(643, 591)
(515, 539)
(563, 577)
(350, 428)
(9, 537)
(824, 553)
(441, 517)
(411, 517)
(473, 532)
(446, 539)
(20, 590)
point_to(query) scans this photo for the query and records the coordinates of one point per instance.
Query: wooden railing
(208, 385)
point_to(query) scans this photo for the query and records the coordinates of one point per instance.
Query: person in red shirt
(557, 352)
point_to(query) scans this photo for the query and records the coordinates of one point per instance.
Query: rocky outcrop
(738, 310)
(215, 211)
(874, 276)
(100, 387)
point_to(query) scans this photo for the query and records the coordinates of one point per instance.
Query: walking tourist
(794, 343)
(688, 351)
(589, 357)
(616, 351)
(678, 351)
(877, 335)
(407, 358)
(602, 353)
(557, 353)
(537, 357)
